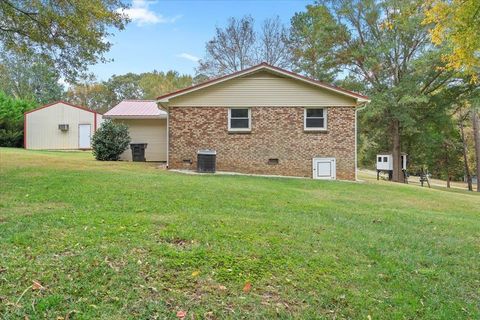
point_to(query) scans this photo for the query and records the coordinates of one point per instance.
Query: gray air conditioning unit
(63, 127)
(206, 160)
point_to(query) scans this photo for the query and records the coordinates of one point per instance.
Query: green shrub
(11, 138)
(110, 140)
(11, 120)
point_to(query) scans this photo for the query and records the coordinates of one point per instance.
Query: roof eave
(166, 98)
(126, 117)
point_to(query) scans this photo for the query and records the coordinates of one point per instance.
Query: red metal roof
(136, 108)
(258, 67)
(63, 102)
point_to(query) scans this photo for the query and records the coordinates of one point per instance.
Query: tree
(456, 24)
(231, 49)
(461, 123)
(383, 44)
(273, 43)
(313, 37)
(476, 138)
(125, 86)
(11, 120)
(94, 95)
(239, 46)
(101, 96)
(29, 78)
(110, 141)
(156, 83)
(69, 35)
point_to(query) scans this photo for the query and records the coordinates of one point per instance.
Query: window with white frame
(315, 119)
(239, 119)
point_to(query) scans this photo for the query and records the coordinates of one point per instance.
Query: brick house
(265, 120)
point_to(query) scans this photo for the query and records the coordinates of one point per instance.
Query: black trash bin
(206, 160)
(138, 151)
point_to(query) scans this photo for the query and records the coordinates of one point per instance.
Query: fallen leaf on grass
(37, 285)
(195, 273)
(181, 314)
(247, 287)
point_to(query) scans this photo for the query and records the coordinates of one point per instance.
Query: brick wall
(277, 132)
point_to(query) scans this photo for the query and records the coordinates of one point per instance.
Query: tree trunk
(397, 166)
(476, 138)
(465, 160)
(447, 162)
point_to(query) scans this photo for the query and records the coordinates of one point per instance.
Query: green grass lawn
(113, 240)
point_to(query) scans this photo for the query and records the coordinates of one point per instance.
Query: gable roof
(263, 67)
(63, 102)
(136, 109)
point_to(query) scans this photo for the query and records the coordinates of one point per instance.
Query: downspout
(364, 105)
(159, 104)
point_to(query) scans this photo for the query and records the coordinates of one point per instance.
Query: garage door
(324, 168)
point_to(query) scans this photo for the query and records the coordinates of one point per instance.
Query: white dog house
(385, 163)
(60, 126)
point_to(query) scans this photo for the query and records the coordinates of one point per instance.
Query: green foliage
(383, 50)
(110, 140)
(69, 35)
(122, 240)
(11, 120)
(102, 96)
(29, 78)
(314, 35)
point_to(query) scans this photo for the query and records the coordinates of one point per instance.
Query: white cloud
(141, 14)
(188, 56)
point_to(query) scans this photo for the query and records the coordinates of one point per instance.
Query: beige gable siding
(42, 127)
(150, 131)
(262, 89)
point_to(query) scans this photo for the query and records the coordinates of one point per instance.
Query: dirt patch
(177, 242)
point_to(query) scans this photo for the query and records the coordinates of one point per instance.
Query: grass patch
(116, 240)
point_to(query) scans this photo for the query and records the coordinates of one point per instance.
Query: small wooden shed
(60, 126)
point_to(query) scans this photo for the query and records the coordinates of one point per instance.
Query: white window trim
(325, 122)
(240, 129)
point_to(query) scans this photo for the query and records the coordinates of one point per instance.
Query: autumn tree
(456, 26)
(69, 35)
(384, 45)
(273, 42)
(156, 83)
(94, 95)
(238, 46)
(103, 95)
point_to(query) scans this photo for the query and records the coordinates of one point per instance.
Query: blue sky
(171, 35)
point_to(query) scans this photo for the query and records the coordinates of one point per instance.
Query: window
(239, 119)
(379, 159)
(385, 159)
(315, 119)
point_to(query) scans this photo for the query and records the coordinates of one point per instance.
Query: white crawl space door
(324, 168)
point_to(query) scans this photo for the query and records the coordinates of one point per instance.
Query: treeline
(103, 95)
(32, 79)
(28, 82)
